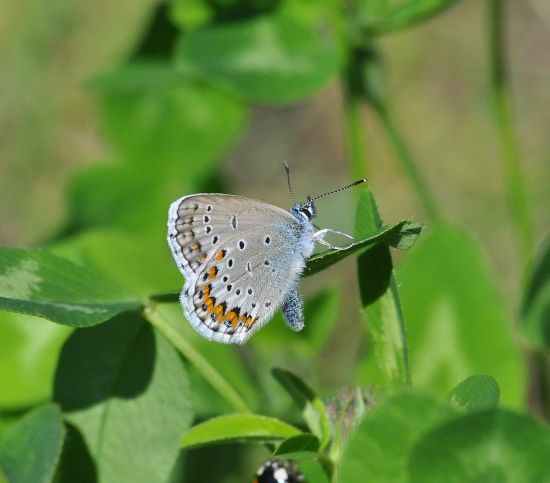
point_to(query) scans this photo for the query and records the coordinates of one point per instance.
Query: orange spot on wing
(233, 317)
(219, 310)
(212, 272)
(206, 290)
(220, 255)
(197, 247)
(202, 257)
(210, 302)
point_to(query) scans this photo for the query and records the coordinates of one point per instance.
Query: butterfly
(241, 259)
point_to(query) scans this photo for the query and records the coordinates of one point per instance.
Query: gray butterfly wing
(240, 258)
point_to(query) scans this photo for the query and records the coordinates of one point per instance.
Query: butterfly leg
(319, 236)
(293, 309)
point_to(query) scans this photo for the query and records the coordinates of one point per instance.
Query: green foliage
(140, 396)
(379, 448)
(536, 306)
(380, 299)
(476, 393)
(241, 428)
(278, 57)
(30, 450)
(38, 283)
(124, 392)
(456, 321)
(493, 445)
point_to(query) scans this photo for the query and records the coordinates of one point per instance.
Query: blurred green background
(97, 133)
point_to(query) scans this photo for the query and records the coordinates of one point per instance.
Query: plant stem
(354, 129)
(501, 104)
(380, 298)
(208, 371)
(404, 156)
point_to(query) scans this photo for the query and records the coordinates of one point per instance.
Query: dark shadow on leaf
(377, 267)
(76, 462)
(114, 359)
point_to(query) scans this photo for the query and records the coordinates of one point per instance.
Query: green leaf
(380, 299)
(29, 451)
(535, 320)
(298, 447)
(29, 348)
(38, 283)
(408, 13)
(456, 321)
(272, 58)
(142, 265)
(170, 322)
(378, 449)
(167, 134)
(401, 235)
(238, 428)
(124, 389)
(313, 409)
(476, 393)
(494, 445)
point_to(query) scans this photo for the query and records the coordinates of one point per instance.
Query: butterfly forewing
(240, 257)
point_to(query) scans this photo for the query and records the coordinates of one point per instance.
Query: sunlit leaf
(35, 282)
(29, 348)
(29, 451)
(380, 300)
(456, 320)
(313, 409)
(400, 235)
(270, 58)
(124, 390)
(494, 445)
(244, 428)
(379, 448)
(476, 393)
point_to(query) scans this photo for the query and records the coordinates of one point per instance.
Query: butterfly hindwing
(240, 258)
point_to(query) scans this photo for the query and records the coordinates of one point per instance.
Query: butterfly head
(304, 211)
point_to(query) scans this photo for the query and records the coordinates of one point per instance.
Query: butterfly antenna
(356, 183)
(287, 169)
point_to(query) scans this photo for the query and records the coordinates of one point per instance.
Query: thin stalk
(386, 323)
(502, 113)
(515, 185)
(355, 139)
(208, 371)
(405, 157)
